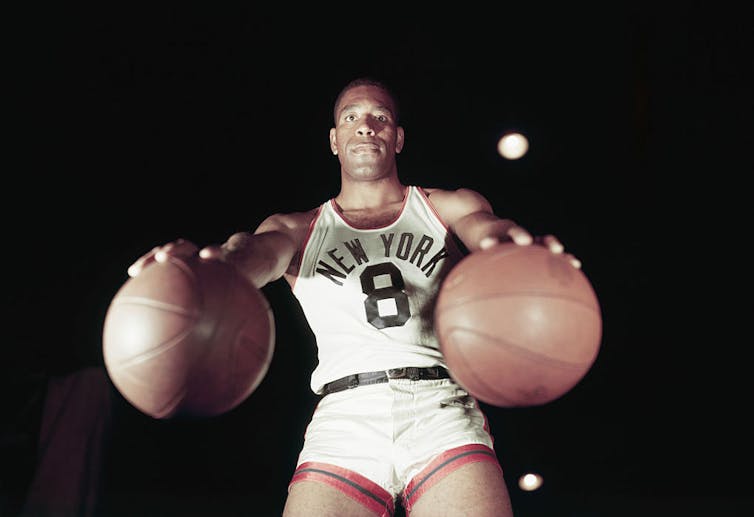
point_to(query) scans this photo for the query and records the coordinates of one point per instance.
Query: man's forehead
(366, 96)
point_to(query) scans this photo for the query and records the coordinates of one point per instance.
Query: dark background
(137, 126)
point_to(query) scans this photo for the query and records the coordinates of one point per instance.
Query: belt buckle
(397, 373)
(406, 372)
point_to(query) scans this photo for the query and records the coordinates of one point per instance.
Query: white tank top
(368, 293)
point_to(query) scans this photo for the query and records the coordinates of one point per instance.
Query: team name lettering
(406, 247)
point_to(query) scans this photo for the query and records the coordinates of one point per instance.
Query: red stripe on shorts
(354, 485)
(443, 465)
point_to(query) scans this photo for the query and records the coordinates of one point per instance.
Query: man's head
(366, 136)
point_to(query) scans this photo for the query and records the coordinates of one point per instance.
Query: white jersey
(368, 293)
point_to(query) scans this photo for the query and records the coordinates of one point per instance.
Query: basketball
(518, 325)
(187, 337)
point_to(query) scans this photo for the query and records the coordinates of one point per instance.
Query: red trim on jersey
(443, 465)
(432, 208)
(434, 212)
(355, 486)
(334, 207)
(304, 242)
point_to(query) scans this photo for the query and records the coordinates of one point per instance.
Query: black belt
(362, 379)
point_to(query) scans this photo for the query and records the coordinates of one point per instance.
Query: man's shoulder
(293, 220)
(461, 194)
(453, 204)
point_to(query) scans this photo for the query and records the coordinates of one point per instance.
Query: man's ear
(333, 142)
(399, 140)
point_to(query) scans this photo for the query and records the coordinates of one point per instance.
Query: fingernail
(160, 256)
(487, 242)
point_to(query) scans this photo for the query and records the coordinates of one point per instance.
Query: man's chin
(366, 171)
(371, 161)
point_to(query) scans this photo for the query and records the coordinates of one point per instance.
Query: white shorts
(381, 441)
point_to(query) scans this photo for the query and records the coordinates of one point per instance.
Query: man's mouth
(365, 148)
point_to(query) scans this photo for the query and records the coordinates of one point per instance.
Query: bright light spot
(513, 146)
(530, 482)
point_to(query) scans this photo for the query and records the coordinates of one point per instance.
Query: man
(366, 267)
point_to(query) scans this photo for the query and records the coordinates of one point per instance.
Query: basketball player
(366, 267)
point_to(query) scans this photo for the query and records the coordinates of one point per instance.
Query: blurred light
(530, 482)
(512, 146)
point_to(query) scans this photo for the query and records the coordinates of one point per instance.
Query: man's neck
(370, 195)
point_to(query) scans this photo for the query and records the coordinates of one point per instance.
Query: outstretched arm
(470, 217)
(261, 256)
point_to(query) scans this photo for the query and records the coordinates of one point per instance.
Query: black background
(139, 125)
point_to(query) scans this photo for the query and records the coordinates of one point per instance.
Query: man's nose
(365, 128)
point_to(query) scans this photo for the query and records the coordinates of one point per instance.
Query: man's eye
(382, 118)
(350, 118)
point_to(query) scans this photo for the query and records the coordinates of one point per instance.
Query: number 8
(394, 291)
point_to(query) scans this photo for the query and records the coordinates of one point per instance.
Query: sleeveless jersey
(368, 293)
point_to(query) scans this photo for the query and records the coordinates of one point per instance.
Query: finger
(552, 243)
(555, 246)
(212, 252)
(136, 268)
(179, 248)
(488, 242)
(520, 236)
(236, 240)
(573, 260)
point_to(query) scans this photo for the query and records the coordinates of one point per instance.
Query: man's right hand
(177, 248)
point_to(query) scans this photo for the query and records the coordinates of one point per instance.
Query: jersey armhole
(460, 246)
(302, 247)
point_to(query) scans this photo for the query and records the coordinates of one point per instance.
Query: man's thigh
(476, 489)
(315, 499)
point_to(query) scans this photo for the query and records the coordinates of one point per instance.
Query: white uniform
(367, 293)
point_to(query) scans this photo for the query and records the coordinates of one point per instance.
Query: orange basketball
(518, 325)
(187, 337)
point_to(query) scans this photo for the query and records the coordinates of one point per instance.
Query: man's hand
(177, 248)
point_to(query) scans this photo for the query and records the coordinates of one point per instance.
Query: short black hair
(367, 81)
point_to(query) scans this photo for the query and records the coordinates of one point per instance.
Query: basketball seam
(169, 407)
(541, 294)
(154, 352)
(156, 304)
(524, 351)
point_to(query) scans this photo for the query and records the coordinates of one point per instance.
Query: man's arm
(262, 256)
(470, 217)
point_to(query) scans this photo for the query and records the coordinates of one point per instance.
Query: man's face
(366, 136)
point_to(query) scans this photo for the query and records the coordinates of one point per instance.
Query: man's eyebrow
(347, 107)
(382, 107)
